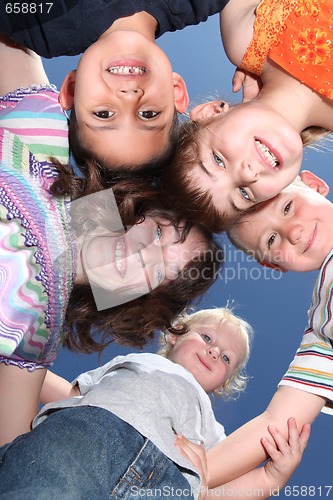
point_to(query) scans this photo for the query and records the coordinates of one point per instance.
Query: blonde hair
(238, 381)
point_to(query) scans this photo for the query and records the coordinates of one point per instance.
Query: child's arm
(56, 388)
(236, 23)
(242, 451)
(285, 458)
(20, 67)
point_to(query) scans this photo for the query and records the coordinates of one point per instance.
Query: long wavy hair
(133, 323)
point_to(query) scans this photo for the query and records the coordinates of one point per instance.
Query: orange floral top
(298, 36)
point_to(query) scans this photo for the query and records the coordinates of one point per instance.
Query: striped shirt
(36, 242)
(35, 116)
(312, 368)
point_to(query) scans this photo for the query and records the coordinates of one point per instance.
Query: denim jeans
(87, 453)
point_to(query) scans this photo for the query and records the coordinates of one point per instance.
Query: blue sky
(275, 305)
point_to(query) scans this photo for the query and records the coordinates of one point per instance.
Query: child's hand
(285, 455)
(251, 84)
(196, 454)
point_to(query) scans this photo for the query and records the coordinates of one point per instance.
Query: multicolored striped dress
(312, 367)
(37, 251)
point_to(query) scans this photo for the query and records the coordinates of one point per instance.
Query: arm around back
(242, 450)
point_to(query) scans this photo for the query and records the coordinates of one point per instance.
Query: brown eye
(148, 115)
(271, 240)
(104, 115)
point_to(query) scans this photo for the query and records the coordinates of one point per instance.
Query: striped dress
(36, 244)
(312, 367)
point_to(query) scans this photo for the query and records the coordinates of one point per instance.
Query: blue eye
(225, 358)
(206, 338)
(159, 232)
(244, 194)
(218, 160)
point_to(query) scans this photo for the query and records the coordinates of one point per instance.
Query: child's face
(292, 232)
(211, 352)
(138, 261)
(248, 154)
(124, 94)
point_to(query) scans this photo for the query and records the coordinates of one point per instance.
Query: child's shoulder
(236, 21)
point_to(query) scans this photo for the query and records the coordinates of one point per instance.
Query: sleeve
(93, 377)
(312, 367)
(36, 117)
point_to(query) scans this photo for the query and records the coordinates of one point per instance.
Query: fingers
(195, 453)
(251, 84)
(237, 80)
(305, 435)
(296, 442)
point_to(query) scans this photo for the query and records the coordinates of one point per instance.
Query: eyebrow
(204, 169)
(103, 128)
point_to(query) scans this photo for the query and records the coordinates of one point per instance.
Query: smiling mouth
(267, 155)
(127, 70)
(311, 240)
(203, 363)
(120, 256)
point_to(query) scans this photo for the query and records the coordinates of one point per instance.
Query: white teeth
(267, 154)
(127, 70)
(120, 257)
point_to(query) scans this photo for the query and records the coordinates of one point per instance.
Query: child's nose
(294, 233)
(133, 93)
(213, 351)
(250, 172)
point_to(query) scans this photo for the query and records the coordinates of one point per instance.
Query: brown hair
(90, 330)
(135, 322)
(198, 205)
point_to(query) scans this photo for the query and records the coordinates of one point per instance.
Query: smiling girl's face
(138, 261)
(248, 154)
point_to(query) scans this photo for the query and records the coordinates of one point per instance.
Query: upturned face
(124, 99)
(211, 353)
(248, 154)
(293, 231)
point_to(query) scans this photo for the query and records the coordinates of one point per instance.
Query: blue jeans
(87, 453)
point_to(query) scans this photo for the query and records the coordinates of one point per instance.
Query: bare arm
(285, 457)
(56, 388)
(242, 450)
(236, 23)
(20, 67)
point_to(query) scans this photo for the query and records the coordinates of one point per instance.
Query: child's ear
(180, 92)
(66, 94)
(314, 182)
(208, 110)
(272, 265)
(173, 338)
